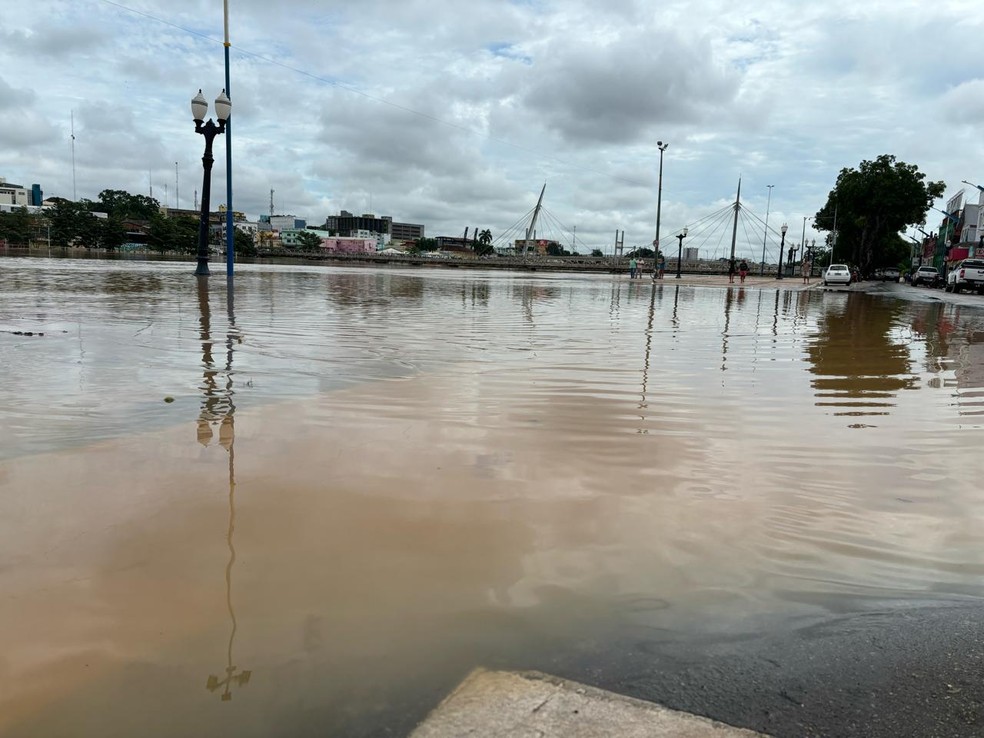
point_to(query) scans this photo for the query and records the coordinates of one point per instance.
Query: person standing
(743, 270)
(633, 265)
(807, 269)
(662, 266)
(731, 271)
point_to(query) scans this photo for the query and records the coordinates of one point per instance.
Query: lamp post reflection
(645, 367)
(218, 407)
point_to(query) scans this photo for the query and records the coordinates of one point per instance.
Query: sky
(454, 115)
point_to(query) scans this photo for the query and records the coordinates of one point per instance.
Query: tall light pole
(802, 240)
(765, 236)
(681, 235)
(230, 231)
(782, 247)
(659, 203)
(199, 108)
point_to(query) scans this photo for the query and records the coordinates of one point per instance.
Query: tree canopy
(873, 203)
(308, 241)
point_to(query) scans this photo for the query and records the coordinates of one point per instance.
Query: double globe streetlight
(782, 246)
(199, 109)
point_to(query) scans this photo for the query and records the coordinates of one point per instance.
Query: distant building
(14, 194)
(691, 253)
(347, 224)
(290, 237)
(406, 231)
(237, 215)
(342, 245)
(285, 222)
(382, 239)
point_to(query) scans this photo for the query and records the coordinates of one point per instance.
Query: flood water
(371, 481)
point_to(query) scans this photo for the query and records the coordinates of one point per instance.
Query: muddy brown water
(369, 481)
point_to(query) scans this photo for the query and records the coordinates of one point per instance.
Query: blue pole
(230, 232)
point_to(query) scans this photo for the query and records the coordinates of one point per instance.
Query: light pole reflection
(643, 405)
(218, 408)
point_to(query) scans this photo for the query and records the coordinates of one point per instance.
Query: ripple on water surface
(369, 473)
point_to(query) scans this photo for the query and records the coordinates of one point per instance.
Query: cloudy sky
(454, 114)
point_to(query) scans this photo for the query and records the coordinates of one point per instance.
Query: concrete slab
(534, 705)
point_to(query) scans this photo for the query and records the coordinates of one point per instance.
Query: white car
(837, 274)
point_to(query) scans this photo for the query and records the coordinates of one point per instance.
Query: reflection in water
(479, 503)
(855, 362)
(645, 366)
(218, 407)
(728, 299)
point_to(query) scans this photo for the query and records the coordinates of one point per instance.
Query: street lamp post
(782, 247)
(765, 237)
(659, 204)
(680, 236)
(199, 108)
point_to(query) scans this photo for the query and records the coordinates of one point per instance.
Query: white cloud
(454, 115)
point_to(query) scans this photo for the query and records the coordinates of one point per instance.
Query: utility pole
(271, 203)
(177, 199)
(765, 237)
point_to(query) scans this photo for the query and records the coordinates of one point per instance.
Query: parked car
(968, 274)
(925, 275)
(837, 274)
(890, 274)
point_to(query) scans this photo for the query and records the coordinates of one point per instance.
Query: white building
(15, 195)
(382, 239)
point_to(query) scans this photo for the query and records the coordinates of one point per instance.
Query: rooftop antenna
(271, 203)
(74, 192)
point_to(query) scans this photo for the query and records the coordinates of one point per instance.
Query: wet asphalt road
(910, 672)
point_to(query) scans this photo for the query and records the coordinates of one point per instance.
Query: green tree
(308, 241)
(17, 227)
(124, 206)
(873, 203)
(109, 233)
(596, 253)
(245, 245)
(424, 244)
(73, 224)
(485, 237)
(555, 249)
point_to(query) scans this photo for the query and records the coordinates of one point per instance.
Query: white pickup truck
(967, 275)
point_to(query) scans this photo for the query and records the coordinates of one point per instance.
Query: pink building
(342, 245)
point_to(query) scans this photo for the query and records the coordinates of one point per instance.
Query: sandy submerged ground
(373, 540)
(721, 500)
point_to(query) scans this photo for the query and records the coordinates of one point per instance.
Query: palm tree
(485, 237)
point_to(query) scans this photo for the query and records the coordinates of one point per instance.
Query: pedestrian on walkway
(807, 270)
(743, 270)
(633, 265)
(731, 271)
(662, 266)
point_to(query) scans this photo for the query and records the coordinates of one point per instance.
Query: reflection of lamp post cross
(231, 676)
